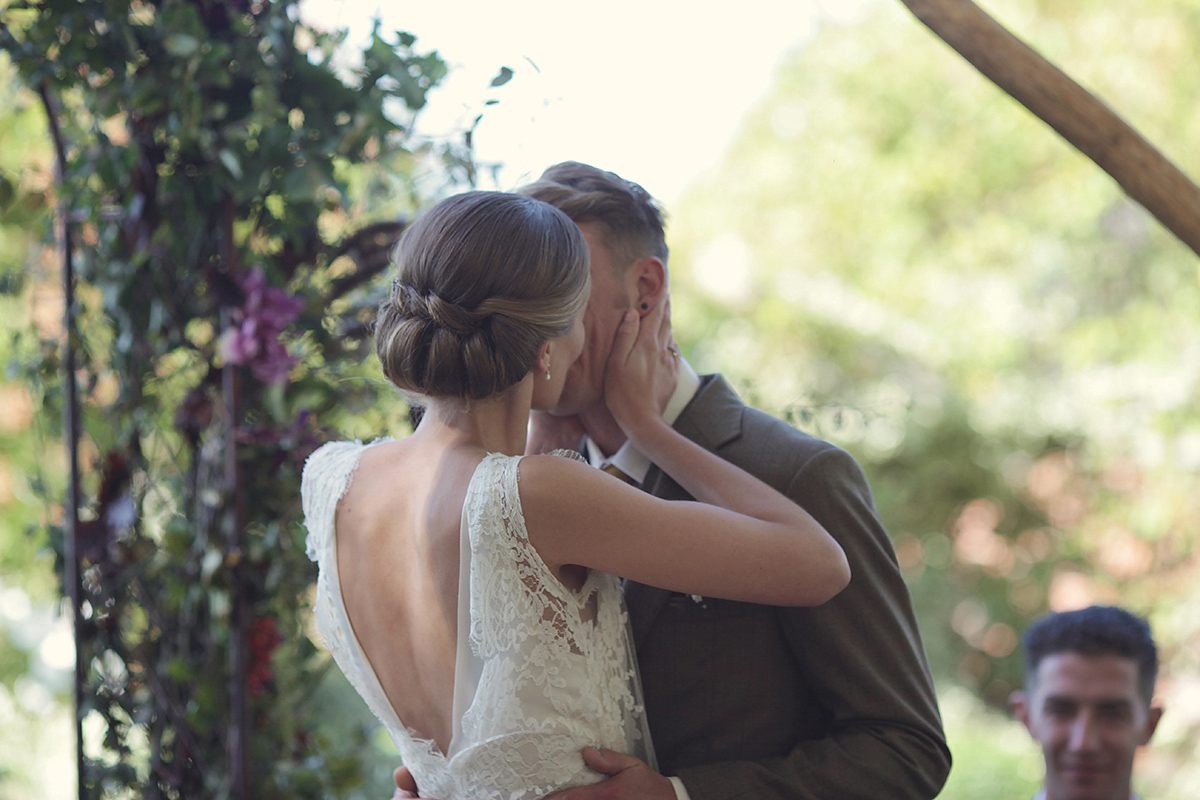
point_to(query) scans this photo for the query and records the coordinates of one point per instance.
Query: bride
(468, 592)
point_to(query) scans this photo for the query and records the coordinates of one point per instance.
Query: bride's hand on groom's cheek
(629, 779)
(643, 367)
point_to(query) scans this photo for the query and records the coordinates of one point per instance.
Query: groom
(743, 700)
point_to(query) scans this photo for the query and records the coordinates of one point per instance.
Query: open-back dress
(538, 676)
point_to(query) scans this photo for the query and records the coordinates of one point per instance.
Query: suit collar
(714, 417)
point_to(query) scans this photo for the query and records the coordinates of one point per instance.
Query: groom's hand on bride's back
(406, 786)
(629, 779)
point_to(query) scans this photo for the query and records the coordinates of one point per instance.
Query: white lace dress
(534, 682)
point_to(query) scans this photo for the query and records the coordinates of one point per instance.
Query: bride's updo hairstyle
(484, 279)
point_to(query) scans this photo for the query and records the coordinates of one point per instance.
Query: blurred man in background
(1089, 683)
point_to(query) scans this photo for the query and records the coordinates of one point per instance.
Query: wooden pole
(239, 731)
(72, 577)
(1079, 116)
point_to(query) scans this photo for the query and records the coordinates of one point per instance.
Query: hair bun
(449, 316)
(484, 278)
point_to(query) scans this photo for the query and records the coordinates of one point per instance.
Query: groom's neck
(603, 429)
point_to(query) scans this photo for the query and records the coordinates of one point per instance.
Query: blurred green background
(896, 256)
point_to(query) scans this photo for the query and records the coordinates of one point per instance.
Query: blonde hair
(483, 279)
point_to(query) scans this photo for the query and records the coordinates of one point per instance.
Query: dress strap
(327, 474)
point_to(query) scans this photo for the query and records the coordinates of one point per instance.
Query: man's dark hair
(1093, 631)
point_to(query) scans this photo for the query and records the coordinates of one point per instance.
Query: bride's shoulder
(551, 472)
(333, 462)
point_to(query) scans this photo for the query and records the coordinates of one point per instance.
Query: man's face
(1086, 713)
(609, 299)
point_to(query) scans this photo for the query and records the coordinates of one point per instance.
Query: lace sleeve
(326, 477)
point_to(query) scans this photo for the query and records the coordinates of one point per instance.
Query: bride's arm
(576, 514)
(743, 541)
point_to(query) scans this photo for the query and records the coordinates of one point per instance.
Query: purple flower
(253, 338)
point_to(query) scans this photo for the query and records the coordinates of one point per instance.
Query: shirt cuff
(681, 792)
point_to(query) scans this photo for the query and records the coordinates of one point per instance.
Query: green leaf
(503, 77)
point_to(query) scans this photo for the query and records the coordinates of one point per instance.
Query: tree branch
(1079, 116)
(370, 249)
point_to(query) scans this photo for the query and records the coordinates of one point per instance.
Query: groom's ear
(648, 276)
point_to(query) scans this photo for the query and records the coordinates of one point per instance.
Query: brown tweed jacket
(750, 701)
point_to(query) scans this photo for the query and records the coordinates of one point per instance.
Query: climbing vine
(229, 193)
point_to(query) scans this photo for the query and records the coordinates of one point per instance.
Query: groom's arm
(861, 654)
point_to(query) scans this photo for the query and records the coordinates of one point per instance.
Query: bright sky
(651, 89)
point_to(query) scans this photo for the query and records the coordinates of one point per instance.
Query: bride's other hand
(642, 369)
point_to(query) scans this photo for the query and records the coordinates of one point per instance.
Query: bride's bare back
(398, 528)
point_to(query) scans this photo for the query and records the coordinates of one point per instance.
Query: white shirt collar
(628, 458)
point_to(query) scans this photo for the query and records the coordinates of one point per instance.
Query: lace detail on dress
(543, 671)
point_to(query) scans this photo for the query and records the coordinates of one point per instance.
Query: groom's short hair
(632, 219)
